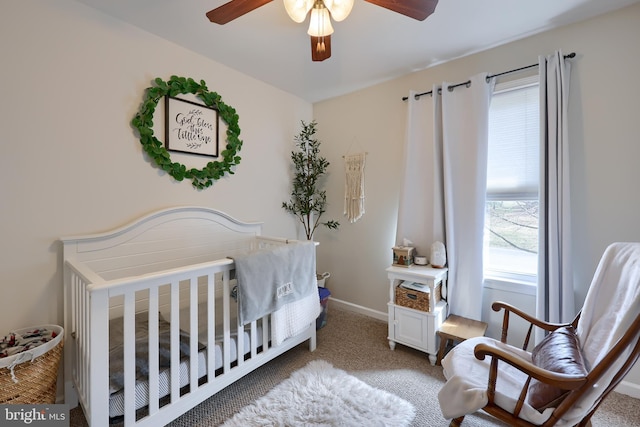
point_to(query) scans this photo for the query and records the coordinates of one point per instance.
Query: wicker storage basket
(416, 299)
(35, 372)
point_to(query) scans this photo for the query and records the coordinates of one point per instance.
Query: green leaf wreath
(143, 121)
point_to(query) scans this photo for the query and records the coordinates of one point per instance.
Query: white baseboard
(380, 315)
(628, 388)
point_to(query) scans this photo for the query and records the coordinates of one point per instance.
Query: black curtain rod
(468, 82)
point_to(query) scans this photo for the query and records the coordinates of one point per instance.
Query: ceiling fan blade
(320, 48)
(416, 9)
(234, 9)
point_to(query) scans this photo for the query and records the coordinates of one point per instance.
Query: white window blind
(513, 165)
(511, 219)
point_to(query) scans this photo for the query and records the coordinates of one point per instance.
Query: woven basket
(35, 372)
(416, 299)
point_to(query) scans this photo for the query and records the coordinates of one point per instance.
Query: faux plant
(308, 201)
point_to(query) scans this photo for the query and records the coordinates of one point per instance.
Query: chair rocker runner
(563, 380)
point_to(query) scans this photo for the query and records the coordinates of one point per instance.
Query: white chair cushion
(465, 391)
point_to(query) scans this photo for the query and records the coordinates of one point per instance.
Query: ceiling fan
(322, 11)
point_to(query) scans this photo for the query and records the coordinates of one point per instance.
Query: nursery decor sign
(196, 130)
(190, 127)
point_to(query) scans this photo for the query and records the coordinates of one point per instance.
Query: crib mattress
(116, 400)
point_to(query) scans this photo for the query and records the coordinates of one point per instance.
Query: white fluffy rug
(321, 395)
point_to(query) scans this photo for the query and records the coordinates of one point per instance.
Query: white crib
(164, 267)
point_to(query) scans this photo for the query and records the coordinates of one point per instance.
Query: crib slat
(253, 338)
(211, 329)
(175, 338)
(240, 342)
(226, 324)
(84, 350)
(95, 333)
(129, 358)
(154, 367)
(265, 333)
(193, 335)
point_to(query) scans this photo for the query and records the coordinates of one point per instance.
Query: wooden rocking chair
(563, 380)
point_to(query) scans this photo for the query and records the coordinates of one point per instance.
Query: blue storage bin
(324, 303)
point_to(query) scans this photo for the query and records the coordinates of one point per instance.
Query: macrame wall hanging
(354, 186)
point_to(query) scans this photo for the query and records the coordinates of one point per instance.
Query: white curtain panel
(465, 121)
(439, 228)
(555, 300)
(416, 208)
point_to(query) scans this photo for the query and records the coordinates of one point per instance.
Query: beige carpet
(358, 344)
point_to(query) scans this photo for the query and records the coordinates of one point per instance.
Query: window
(511, 219)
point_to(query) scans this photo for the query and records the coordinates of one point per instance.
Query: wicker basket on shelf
(416, 299)
(30, 377)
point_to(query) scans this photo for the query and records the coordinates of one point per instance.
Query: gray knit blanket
(270, 278)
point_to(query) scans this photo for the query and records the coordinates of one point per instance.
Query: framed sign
(191, 127)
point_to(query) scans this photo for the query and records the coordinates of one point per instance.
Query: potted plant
(308, 201)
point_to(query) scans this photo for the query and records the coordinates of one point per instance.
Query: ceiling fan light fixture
(339, 9)
(320, 22)
(298, 9)
(322, 11)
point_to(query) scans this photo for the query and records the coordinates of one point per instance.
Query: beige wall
(605, 148)
(72, 80)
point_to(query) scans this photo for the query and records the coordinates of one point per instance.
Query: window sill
(510, 285)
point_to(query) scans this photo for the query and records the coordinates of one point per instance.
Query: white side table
(416, 328)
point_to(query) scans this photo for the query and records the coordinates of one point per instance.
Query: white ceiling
(372, 45)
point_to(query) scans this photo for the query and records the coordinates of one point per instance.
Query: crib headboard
(169, 238)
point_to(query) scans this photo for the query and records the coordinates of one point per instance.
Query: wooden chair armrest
(499, 305)
(562, 381)
(533, 321)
